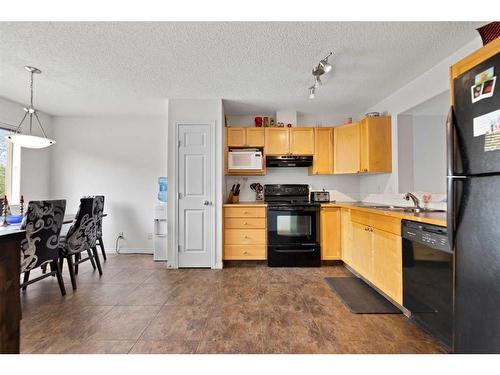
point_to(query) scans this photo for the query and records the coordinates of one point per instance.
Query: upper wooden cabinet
(346, 149)
(277, 141)
(302, 141)
(323, 151)
(245, 137)
(236, 137)
(255, 137)
(363, 147)
(376, 145)
(289, 141)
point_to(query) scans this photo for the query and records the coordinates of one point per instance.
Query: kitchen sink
(403, 209)
(422, 210)
(384, 207)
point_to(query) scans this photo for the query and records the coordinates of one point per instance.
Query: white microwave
(244, 160)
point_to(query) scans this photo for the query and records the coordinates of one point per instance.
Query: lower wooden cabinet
(371, 245)
(346, 235)
(362, 246)
(330, 233)
(388, 264)
(245, 252)
(245, 232)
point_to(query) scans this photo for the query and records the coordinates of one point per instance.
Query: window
(10, 169)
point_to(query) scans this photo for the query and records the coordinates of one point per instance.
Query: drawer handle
(245, 212)
(246, 237)
(245, 252)
(245, 223)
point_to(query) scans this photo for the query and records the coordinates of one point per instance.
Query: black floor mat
(359, 297)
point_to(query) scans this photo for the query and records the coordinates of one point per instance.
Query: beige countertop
(246, 204)
(435, 218)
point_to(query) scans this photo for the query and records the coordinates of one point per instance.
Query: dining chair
(98, 214)
(43, 222)
(81, 237)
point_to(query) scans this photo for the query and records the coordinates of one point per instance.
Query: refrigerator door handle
(450, 215)
(450, 142)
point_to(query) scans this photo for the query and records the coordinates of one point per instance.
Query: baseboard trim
(134, 251)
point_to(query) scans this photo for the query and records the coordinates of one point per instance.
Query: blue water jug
(162, 189)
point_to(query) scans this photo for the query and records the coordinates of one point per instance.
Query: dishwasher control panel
(430, 235)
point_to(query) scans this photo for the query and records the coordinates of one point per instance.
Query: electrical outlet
(150, 236)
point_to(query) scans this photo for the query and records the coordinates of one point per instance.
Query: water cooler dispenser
(160, 222)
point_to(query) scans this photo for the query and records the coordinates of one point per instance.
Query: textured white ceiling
(128, 68)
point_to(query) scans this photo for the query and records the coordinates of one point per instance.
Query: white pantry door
(195, 186)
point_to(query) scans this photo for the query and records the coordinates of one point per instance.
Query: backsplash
(342, 188)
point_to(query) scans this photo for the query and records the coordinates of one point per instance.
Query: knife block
(232, 199)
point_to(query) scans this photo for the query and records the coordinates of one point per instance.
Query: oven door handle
(295, 251)
(297, 209)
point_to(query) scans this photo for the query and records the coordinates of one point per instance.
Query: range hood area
(289, 161)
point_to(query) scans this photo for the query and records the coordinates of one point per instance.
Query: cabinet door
(362, 260)
(302, 141)
(323, 151)
(277, 141)
(254, 137)
(330, 233)
(346, 235)
(387, 264)
(376, 146)
(236, 137)
(346, 149)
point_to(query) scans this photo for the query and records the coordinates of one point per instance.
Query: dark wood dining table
(10, 273)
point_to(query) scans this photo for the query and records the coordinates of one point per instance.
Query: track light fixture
(323, 67)
(317, 82)
(311, 92)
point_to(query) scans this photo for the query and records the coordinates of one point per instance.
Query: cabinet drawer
(250, 223)
(245, 236)
(242, 252)
(245, 212)
(382, 222)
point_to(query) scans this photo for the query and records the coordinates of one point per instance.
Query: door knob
(206, 203)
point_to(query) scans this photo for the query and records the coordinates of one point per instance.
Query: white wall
(35, 164)
(405, 153)
(303, 119)
(429, 154)
(120, 157)
(195, 111)
(430, 84)
(322, 119)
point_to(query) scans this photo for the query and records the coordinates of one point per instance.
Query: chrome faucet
(415, 200)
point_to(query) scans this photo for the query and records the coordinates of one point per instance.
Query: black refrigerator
(473, 133)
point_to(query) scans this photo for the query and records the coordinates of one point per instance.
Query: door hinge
(179, 195)
(180, 248)
(179, 143)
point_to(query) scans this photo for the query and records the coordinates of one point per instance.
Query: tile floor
(138, 306)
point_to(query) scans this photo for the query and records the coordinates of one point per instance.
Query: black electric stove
(292, 227)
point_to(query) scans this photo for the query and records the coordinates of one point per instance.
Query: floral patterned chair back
(82, 233)
(43, 222)
(98, 212)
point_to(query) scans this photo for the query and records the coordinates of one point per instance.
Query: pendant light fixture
(30, 140)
